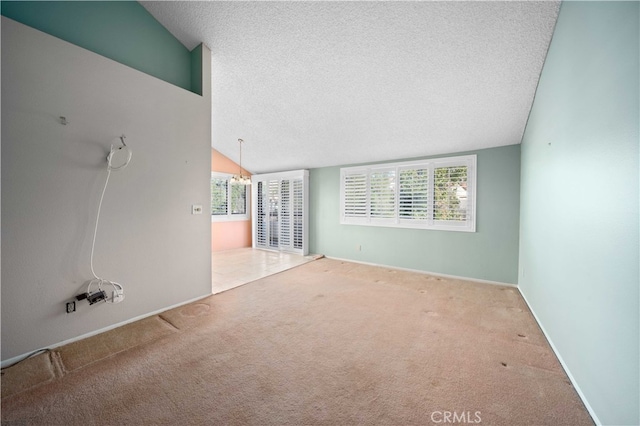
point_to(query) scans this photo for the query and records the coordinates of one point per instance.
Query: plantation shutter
(298, 214)
(355, 195)
(281, 211)
(260, 224)
(383, 194)
(285, 213)
(413, 197)
(435, 193)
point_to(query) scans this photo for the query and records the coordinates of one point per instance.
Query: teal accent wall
(491, 253)
(196, 69)
(579, 235)
(120, 30)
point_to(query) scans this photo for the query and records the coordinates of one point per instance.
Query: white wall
(52, 176)
(579, 240)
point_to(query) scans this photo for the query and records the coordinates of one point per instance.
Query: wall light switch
(196, 209)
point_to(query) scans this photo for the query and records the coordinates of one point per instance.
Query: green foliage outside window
(228, 198)
(238, 199)
(218, 196)
(450, 193)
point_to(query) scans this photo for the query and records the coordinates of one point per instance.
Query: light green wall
(120, 30)
(579, 249)
(491, 253)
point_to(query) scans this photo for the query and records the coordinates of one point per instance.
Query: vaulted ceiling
(313, 84)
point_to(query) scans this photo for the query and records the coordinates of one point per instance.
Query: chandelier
(240, 178)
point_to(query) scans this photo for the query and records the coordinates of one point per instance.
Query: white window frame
(468, 225)
(229, 217)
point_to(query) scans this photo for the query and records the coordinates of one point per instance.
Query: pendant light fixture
(240, 178)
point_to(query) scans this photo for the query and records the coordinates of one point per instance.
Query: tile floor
(233, 268)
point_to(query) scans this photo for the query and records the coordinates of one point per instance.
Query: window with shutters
(413, 195)
(383, 195)
(299, 209)
(431, 194)
(229, 201)
(281, 210)
(354, 195)
(285, 213)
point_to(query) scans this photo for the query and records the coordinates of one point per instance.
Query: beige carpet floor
(326, 343)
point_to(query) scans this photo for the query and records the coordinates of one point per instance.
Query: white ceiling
(312, 84)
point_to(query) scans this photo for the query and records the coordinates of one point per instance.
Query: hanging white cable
(95, 229)
(118, 290)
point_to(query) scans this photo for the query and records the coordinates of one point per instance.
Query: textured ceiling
(311, 84)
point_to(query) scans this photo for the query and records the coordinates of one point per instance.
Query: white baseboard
(564, 365)
(418, 271)
(15, 359)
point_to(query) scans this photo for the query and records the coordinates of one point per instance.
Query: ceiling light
(240, 178)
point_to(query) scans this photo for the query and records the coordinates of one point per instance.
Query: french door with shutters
(281, 211)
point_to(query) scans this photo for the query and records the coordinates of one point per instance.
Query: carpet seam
(168, 322)
(126, 349)
(59, 369)
(56, 373)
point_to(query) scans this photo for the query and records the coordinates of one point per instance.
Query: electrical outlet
(196, 209)
(71, 307)
(117, 296)
(98, 296)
